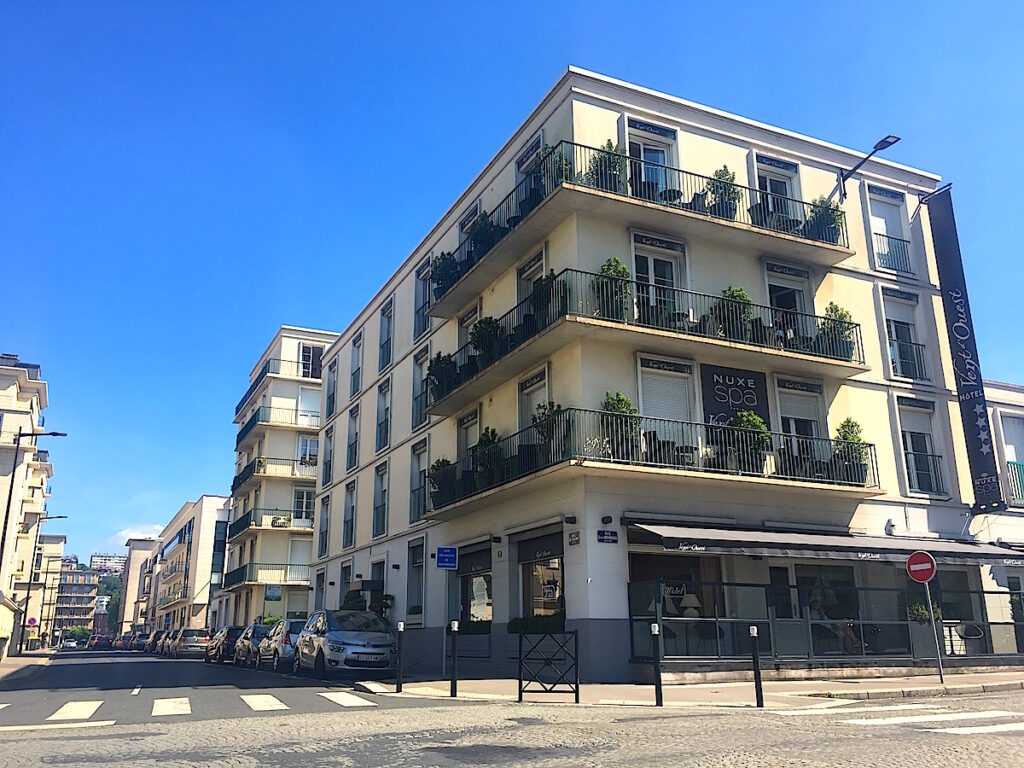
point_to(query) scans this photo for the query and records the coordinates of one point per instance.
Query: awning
(728, 541)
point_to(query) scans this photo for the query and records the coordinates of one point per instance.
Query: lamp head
(887, 142)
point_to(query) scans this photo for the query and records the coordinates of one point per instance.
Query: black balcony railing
(924, 471)
(352, 453)
(271, 518)
(421, 320)
(281, 368)
(328, 471)
(1016, 472)
(384, 357)
(380, 519)
(355, 382)
(419, 408)
(348, 529)
(631, 302)
(267, 573)
(892, 253)
(263, 465)
(599, 436)
(618, 174)
(908, 359)
(383, 432)
(282, 416)
(417, 503)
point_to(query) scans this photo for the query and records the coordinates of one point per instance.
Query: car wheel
(206, 658)
(234, 659)
(319, 667)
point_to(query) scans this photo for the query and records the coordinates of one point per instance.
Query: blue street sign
(448, 558)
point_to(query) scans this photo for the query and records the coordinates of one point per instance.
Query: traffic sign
(448, 558)
(921, 567)
(31, 621)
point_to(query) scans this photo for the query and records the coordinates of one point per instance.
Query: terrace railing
(264, 465)
(1016, 472)
(924, 471)
(282, 416)
(892, 253)
(278, 367)
(908, 359)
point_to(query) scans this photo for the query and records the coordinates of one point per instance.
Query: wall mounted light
(496, 539)
(607, 520)
(570, 519)
(395, 566)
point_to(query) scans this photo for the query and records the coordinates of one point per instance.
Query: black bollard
(659, 700)
(398, 661)
(455, 659)
(758, 691)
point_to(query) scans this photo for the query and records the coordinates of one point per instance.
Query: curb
(25, 671)
(916, 693)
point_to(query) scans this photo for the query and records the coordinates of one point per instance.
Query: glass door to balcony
(309, 407)
(904, 352)
(647, 169)
(775, 194)
(656, 290)
(788, 299)
(920, 462)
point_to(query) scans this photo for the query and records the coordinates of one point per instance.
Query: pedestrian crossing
(924, 717)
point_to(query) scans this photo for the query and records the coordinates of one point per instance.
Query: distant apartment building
(41, 599)
(108, 563)
(69, 561)
(136, 585)
(270, 537)
(76, 599)
(190, 565)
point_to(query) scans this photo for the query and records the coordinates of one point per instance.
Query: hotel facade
(643, 371)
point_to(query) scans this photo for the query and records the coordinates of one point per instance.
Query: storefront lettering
(868, 556)
(692, 547)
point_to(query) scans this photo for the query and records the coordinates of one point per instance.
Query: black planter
(823, 231)
(750, 462)
(608, 181)
(724, 210)
(736, 329)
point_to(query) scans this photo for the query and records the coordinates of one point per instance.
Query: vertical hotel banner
(967, 369)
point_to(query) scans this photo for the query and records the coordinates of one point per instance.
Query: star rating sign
(981, 421)
(979, 409)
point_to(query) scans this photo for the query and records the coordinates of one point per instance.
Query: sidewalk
(17, 667)
(777, 693)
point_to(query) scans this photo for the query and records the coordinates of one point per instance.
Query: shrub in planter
(826, 220)
(444, 272)
(483, 234)
(441, 477)
(353, 601)
(751, 440)
(536, 624)
(614, 289)
(487, 457)
(622, 425)
(441, 372)
(606, 166)
(733, 313)
(556, 166)
(485, 336)
(723, 193)
(547, 416)
(835, 333)
(851, 453)
(548, 290)
(918, 611)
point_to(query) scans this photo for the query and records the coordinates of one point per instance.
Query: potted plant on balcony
(547, 416)
(604, 171)
(444, 272)
(825, 222)
(441, 372)
(724, 194)
(487, 457)
(548, 289)
(621, 424)
(733, 312)
(486, 337)
(835, 333)
(556, 166)
(851, 454)
(750, 440)
(614, 289)
(440, 477)
(484, 235)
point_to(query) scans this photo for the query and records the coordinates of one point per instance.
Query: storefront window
(475, 589)
(543, 588)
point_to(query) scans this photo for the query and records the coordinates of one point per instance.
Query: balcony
(278, 417)
(892, 253)
(572, 177)
(262, 466)
(277, 367)
(172, 572)
(266, 573)
(908, 360)
(277, 519)
(672, 321)
(1016, 475)
(924, 473)
(697, 452)
(172, 597)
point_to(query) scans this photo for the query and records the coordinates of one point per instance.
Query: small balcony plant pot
(733, 313)
(614, 290)
(825, 223)
(605, 167)
(444, 273)
(725, 195)
(486, 336)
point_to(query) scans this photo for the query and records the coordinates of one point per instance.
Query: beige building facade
(136, 587)
(42, 598)
(76, 600)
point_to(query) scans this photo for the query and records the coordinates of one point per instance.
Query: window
(318, 594)
(352, 451)
(418, 482)
(656, 278)
(666, 396)
(533, 391)
(466, 322)
(905, 354)
(328, 471)
(387, 324)
(332, 386)
(647, 168)
(788, 292)
(346, 581)
(421, 297)
(348, 522)
(924, 468)
(892, 249)
(311, 360)
(776, 190)
(474, 585)
(357, 365)
(308, 449)
(469, 434)
(528, 274)
(380, 500)
(383, 415)
(325, 524)
(419, 388)
(800, 416)
(303, 499)
(414, 584)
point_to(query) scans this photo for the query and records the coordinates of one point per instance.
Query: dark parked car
(166, 640)
(98, 643)
(190, 642)
(139, 642)
(121, 643)
(222, 647)
(278, 647)
(247, 645)
(153, 644)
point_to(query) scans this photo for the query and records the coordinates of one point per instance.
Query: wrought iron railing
(278, 367)
(263, 465)
(618, 174)
(417, 503)
(631, 302)
(419, 407)
(383, 432)
(271, 518)
(380, 519)
(1016, 474)
(283, 416)
(267, 573)
(924, 472)
(352, 452)
(348, 528)
(421, 320)
(599, 436)
(384, 356)
(171, 597)
(355, 382)
(892, 253)
(908, 359)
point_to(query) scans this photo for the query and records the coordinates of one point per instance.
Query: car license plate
(369, 657)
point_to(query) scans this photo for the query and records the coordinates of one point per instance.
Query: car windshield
(234, 632)
(260, 631)
(193, 632)
(294, 627)
(356, 621)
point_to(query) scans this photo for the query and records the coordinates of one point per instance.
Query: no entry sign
(921, 567)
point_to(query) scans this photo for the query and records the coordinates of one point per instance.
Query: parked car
(247, 645)
(139, 641)
(190, 642)
(167, 641)
(122, 641)
(278, 648)
(153, 644)
(69, 644)
(339, 640)
(99, 643)
(222, 647)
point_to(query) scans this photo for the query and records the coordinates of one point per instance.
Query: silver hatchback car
(334, 641)
(278, 648)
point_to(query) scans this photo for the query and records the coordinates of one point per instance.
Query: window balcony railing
(170, 597)
(892, 253)
(352, 453)
(278, 367)
(271, 518)
(267, 573)
(268, 467)
(383, 433)
(599, 436)
(287, 417)
(635, 303)
(348, 530)
(384, 356)
(380, 519)
(172, 570)
(924, 471)
(1016, 473)
(419, 408)
(417, 503)
(328, 474)
(631, 178)
(355, 382)
(421, 320)
(908, 360)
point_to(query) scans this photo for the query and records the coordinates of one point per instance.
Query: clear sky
(178, 179)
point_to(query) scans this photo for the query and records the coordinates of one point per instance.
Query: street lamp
(10, 491)
(28, 594)
(843, 176)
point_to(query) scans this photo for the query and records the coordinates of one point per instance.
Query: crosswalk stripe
(969, 729)
(854, 711)
(263, 702)
(76, 710)
(344, 699)
(933, 717)
(178, 706)
(51, 726)
(4, 705)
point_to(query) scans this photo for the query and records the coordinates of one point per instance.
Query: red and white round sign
(921, 567)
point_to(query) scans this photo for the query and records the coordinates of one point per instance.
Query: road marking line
(135, 690)
(344, 699)
(855, 711)
(51, 726)
(4, 705)
(932, 717)
(263, 702)
(969, 729)
(76, 710)
(178, 706)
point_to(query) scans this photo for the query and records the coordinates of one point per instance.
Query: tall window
(318, 592)
(328, 473)
(311, 360)
(308, 451)
(356, 382)
(348, 522)
(421, 321)
(658, 273)
(469, 433)
(924, 467)
(647, 169)
(380, 500)
(303, 497)
(892, 249)
(387, 327)
(325, 526)
(383, 415)
(418, 482)
(906, 354)
(776, 187)
(414, 585)
(419, 388)
(332, 386)
(352, 451)
(466, 322)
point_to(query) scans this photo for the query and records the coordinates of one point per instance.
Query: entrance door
(656, 295)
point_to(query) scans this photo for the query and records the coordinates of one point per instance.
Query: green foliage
(353, 601)
(486, 451)
(536, 624)
(756, 434)
(853, 447)
(108, 585)
(722, 186)
(618, 403)
(918, 611)
(827, 213)
(544, 419)
(556, 164)
(483, 233)
(606, 166)
(543, 291)
(838, 323)
(484, 335)
(488, 439)
(735, 304)
(415, 610)
(114, 607)
(444, 270)
(441, 373)
(271, 620)
(613, 267)
(438, 470)
(78, 634)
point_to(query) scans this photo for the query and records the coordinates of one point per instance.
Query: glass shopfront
(475, 595)
(543, 582)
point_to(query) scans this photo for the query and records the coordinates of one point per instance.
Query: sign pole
(398, 661)
(935, 631)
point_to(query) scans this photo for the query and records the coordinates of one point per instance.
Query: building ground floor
(822, 578)
(181, 615)
(252, 603)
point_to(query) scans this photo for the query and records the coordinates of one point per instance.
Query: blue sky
(177, 179)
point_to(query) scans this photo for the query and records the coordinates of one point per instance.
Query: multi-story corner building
(24, 486)
(136, 585)
(109, 563)
(76, 600)
(644, 370)
(40, 597)
(190, 566)
(270, 539)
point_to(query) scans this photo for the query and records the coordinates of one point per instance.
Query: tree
(113, 610)
(108, 585)
(77, 633)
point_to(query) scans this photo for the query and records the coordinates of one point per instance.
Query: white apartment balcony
(264, 466)
(288, 369)
(265, 416)
(267, 573)
(291, 520)
(171, 597)
(172, 573)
